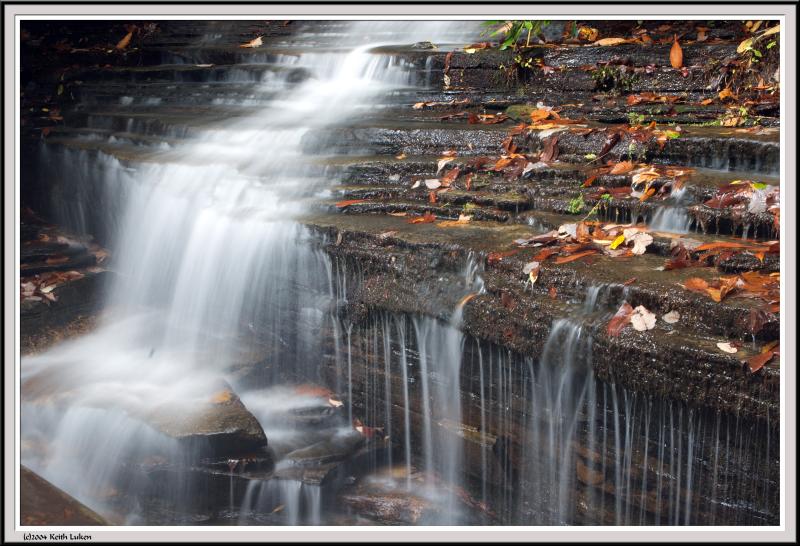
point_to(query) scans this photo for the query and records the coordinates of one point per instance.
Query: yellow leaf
(618, 241)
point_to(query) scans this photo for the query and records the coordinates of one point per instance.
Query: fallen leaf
(641, 240)
(695, 284)
(347, 203)
(552, 292)
(642, 319)
(620, 319)
(531, 269)
(727, 347)
(610, 41)
(622, 167)
(758, 361)
(442, 163)
(450, 176)
(618, 241)
(400, 156)
(745, 46)
(773, 30)
(256, 42)
(125, 41)
(550, 151)
(427, 218)
(676, 54)
(495, 257)
(432, 183)
(573, 257)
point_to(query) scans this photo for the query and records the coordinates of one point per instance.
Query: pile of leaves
(751, 284)
(41, 287)
(578, 240)
(748, 196)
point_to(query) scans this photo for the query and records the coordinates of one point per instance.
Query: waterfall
(208, 254)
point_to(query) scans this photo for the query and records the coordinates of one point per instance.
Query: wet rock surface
(221, 426)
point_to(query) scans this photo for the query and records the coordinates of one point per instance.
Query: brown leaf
(726, 286)
(758, 361)
(676, 54)
(620, 319)
(550, 151)
(552, 292)
(610, 142)
(757, 319)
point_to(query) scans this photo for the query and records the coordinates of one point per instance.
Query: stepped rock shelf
(415, 282)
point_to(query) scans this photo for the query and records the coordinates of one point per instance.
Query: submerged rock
(42, 503)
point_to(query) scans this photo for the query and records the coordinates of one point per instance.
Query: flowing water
(219, 284)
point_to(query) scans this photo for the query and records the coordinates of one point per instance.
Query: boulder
(42, 503)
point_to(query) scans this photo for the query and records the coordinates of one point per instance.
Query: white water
(208, 253)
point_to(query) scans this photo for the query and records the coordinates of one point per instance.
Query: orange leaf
(432, 197)
(647, 194)
(545, 253)
(567, 259)
(589, 181)
(125, 41)
(427, 218)
(695, 284)
(450, 177)
(676, 54)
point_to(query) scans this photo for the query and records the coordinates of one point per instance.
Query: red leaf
(579, 255)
